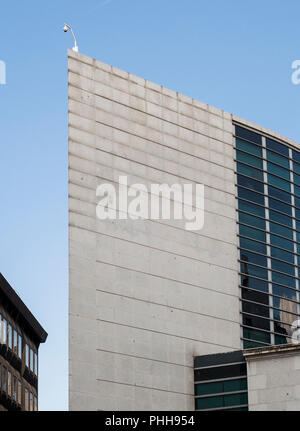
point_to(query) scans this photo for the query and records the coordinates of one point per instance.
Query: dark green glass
(249, 171)
(248, 147)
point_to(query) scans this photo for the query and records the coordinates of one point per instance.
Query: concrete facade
(146, 296)
(274, 378)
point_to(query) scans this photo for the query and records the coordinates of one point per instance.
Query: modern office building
(20, 337)
(160, 316)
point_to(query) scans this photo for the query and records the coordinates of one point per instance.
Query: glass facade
(268, 194)
(221, 382)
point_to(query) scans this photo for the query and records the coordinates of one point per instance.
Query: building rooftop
(25, 315)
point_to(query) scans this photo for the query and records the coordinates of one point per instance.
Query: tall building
(149, 299)
(20, 337)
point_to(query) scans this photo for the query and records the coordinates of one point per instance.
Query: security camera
(67, 27)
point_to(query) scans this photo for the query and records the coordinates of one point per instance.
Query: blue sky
(235, 55)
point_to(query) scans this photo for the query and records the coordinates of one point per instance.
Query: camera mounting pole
(66, 28)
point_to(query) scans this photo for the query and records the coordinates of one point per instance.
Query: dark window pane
(280, 230)
(280, 339)
(297, 179)
(280, 218)
(235, 385)
(209, 388)
(248, 135)
(252, 295)
(249, 148)
(296, 156)
(279, 194)
(297, 190)
(256, 322)
(221, 387)
(251, 184)
(252, 233)
(277, 158)
(235, 399)
(283, 279)
(277, 170)
(254, 283)
(250, 196)
(279, 148)
(285, 292)
(297, 202)
(252, 334)
(251, 208)
(249, 159)
(279, 206)
(257, 259)
(260, 310)
(282, 255)
(249, 171)
(279, 182)
(251, 344)
(296, 168)
(253, 245)
(252, 220)
(215, 373)
(254, 271)
(209, 403)
(281, 242)
(283, 267)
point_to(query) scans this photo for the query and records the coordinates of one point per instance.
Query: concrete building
(148, 296)
(273, 376)
(20, 337)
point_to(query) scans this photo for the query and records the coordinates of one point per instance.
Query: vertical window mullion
(294, 229)
(268, 240)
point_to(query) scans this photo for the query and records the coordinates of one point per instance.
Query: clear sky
(235, 55)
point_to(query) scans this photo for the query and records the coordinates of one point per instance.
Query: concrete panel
(146, 296)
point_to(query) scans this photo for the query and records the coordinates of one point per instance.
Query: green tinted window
(279, 182)
(257, 259)
(235, 399)
(209, 388)
(281, 242)
(277, 265)
(235, 385)
(255, 271)
(296, 168)
(252, 233)
(281, 230)
(280, 218)
(279, 171)
(276, 158)
(249, 171)
(249, 148)
(253, 245)
(249, 160)
(252, 221)
(257, 335)
(251, 208)
(209, 403)
(282, 254)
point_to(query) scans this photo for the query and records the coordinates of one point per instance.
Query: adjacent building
(152, 303)
(20, 337)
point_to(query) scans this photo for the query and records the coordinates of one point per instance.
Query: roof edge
(19, 305)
